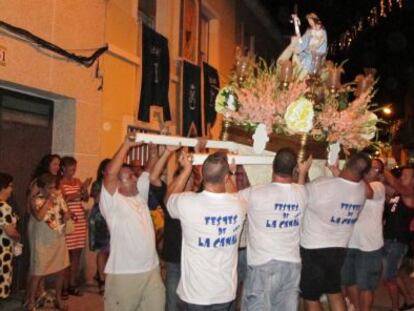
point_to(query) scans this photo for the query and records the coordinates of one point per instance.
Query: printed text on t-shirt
(351, 216)
(224, 238)
(286, 221)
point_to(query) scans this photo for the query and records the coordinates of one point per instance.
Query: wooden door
(26, 124)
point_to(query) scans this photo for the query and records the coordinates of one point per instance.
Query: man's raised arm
(111, 175)
(178, 185)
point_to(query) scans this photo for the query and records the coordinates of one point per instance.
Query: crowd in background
(222, 244)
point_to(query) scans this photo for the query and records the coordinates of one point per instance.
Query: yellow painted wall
(75, 25)
(101, 117)
(27, 66)
(120, 76)
(222, 44)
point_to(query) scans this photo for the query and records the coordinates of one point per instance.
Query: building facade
(49, 103)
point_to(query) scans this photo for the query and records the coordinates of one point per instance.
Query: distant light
(387, 110)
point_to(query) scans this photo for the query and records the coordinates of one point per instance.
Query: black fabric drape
(155, 74)
(211, 88)
(191, 125)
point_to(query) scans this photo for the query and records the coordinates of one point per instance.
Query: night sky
(388, 46)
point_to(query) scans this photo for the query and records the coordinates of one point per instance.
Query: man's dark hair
(285, 162)
(359, 163)
(215, 168)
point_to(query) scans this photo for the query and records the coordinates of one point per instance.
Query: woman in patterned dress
(74, 192)
(48, 251)
(50, 163)
(8, 234)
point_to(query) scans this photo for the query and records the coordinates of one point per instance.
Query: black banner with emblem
(211, 89)
(155, 74)
(191, 96)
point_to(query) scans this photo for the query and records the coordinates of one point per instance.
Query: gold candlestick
(303, 141)
(226, 126)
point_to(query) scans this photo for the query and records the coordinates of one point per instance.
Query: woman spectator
(8, 234)
(48, 251)
(98, 230)
(50, 163)
(74, 193)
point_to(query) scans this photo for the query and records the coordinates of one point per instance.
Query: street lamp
(387, 110)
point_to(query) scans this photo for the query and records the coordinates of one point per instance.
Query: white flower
(231, 103)
(370, 127)
(299, 116)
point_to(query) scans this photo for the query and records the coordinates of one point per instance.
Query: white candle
(183, 141)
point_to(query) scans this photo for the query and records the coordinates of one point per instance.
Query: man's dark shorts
(362, 269)
(321, 271)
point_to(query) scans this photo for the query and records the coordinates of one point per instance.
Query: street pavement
(91, 301)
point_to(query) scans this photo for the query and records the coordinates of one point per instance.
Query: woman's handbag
(69, 226)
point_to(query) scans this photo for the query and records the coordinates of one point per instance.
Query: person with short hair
(334, 204)
(133, 280)
(274, 215)
(75, 193)
(211, 224)
(170, 251)
(363, 264)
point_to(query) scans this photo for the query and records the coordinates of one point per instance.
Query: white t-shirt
(334, 204)
(211, 225)
(143, 185)
(367, 235)
(132, 233)
(274, 217)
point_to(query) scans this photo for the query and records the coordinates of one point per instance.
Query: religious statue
(307, 51)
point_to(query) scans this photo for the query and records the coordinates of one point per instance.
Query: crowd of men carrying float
(304, 239)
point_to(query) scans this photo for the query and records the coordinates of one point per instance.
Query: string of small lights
(382, 10)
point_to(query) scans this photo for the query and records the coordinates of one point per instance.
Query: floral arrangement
(353, 127)
(278, 96)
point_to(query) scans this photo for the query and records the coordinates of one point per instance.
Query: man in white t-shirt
(211, 223)
(274, 217)
(362, 268)
(334, 204)
(133, 279)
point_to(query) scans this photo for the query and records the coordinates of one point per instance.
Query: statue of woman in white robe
(308, 52)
